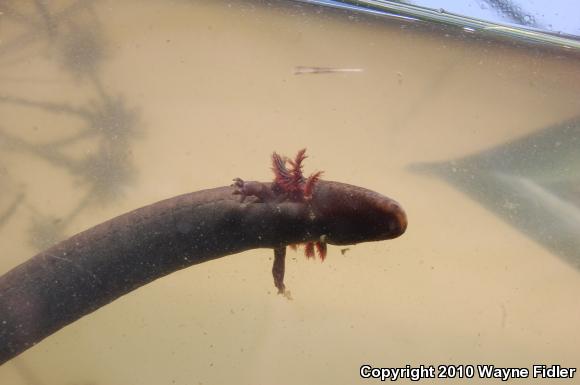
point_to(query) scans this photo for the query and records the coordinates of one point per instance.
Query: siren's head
(348, 214)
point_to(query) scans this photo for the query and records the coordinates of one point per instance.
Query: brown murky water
(107, 106)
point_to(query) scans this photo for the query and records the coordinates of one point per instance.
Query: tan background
(213, 87)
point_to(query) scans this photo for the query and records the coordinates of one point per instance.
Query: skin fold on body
(93, 268)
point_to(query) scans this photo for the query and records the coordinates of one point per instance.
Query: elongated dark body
(93, 268)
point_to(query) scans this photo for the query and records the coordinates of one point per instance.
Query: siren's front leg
(260, 190)
(278, 270)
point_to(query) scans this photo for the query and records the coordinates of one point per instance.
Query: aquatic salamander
(290, 185)
(93, 268)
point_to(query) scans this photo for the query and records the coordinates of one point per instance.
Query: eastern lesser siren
(97, 266)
